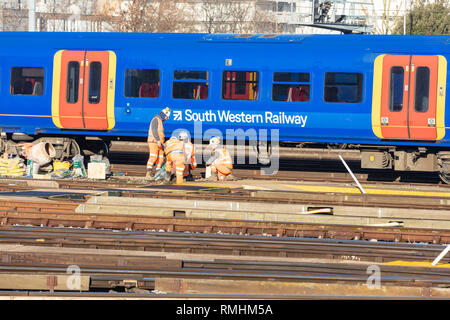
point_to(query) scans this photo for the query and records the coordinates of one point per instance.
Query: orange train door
(83, 89)
(409, 97)
(394, 97)
(422, 97)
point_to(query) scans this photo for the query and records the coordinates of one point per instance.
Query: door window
(73, 77)
(422, 87)
(95, 77)
(397, 79)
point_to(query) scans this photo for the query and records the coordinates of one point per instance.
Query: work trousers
(156, 156)
(221, 169)
(176, 159)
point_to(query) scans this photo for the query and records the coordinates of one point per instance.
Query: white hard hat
(183, 135)
(166, 111)
(214, 141)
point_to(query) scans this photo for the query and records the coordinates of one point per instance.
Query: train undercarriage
(383, 158)
(65, 147)
(408, 159)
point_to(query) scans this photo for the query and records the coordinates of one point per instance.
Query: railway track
(178, 263)
(380, 178)
(236, 211)
(194, 241)
(231, 244)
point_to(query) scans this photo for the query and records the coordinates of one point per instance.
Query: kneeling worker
(155, 142)
(174, 150)
(189, 154)
(220, 161)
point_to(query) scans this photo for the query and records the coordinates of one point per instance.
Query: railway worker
(155, 143)
(220, 161)
(174, 150)
(189, 154)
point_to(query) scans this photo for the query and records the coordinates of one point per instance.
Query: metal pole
(441, 255)
(353, 176)
(404, 17)
(31, 15)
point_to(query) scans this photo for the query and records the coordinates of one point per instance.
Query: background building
(215, 16)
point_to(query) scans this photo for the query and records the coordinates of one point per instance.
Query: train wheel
(65, 148)
(96, 146)
(336, 146)
(72, 149)
(445, 177)
(444, 166)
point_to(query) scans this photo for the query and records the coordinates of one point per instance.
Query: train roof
(376, 43)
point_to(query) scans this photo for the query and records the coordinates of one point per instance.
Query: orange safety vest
(224, 158)
(151, 137)
(174, 146)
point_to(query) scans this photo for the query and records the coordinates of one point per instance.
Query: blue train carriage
(383, 94)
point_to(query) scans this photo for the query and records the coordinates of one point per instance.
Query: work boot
(230, 177)
(168, 177)
(157, 175)
(212, 177)
(150, 174)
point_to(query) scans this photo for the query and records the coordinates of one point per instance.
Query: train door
(83, 89)
(423, 97)
(408, 97)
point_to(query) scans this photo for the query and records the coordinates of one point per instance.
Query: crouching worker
(155, 142)
(220, 162)
(174, 150)
(189, 155)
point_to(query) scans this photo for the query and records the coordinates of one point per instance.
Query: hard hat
(166, 112)
(214, 141)
(183, 135)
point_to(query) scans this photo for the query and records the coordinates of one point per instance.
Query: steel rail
(230, 275)
(183, 224)
(217, 243)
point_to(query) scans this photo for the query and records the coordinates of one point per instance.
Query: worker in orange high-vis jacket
(155, 142)
(189, 154)
(174, 150)
(220, 161)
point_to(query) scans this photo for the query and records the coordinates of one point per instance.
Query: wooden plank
(217, 286)
(44, 282)
(97, 260)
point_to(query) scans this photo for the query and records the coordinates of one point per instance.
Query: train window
(290, 77)
(27, 80)
(190, 85)
(73, 77)
(343, 87)
(396, 89)
(142, 83)
(294, 86)
(240, 85)
(95, 84)
(190, 75)
(422, 89)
